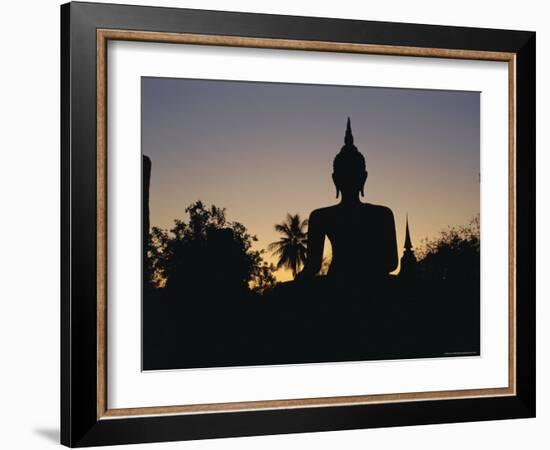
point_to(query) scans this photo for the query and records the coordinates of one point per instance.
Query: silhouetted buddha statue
(362, 235)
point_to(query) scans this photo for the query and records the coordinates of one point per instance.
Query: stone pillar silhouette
(146, 181)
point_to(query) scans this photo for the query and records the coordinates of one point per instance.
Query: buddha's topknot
(349, 159)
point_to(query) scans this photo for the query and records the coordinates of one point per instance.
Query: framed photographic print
(276, 224)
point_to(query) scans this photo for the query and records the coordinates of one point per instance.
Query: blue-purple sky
(264, 149)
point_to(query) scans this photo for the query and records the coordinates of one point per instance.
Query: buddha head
(349, 168)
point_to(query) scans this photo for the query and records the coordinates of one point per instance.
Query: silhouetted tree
(206, 253)
(453, 255)
(263, 279)
(292, 247)
(157, 256)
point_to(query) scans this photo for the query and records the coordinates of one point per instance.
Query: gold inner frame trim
(103, 36)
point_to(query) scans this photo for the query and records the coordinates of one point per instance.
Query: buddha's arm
(391, 243)
(315, 243)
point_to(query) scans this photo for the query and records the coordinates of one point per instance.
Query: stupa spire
(408, 260)
(408, 244)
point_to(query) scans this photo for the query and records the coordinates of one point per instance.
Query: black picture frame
(80, 424)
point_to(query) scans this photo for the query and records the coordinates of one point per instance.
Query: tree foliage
(208, 253)
(291, 249)
(453, 255)
(263, 279)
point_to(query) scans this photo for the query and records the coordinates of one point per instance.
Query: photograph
(278, 223)
(289, 223)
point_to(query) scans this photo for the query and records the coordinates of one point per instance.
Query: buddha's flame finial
(349, 137)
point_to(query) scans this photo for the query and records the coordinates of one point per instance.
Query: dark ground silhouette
(316, 320)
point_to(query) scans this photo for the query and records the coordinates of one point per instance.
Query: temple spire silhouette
(408, 260)
(408, 244)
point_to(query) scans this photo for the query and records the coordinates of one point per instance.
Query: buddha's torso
(361, 238)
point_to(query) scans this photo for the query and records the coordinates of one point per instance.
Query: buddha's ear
(365, 175)
(336, 185)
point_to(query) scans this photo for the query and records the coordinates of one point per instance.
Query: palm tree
(291, 248)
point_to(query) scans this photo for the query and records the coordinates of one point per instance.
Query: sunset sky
(262, 150)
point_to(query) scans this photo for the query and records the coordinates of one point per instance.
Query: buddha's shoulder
(369, 208)
(378, 209)
(323, 212)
